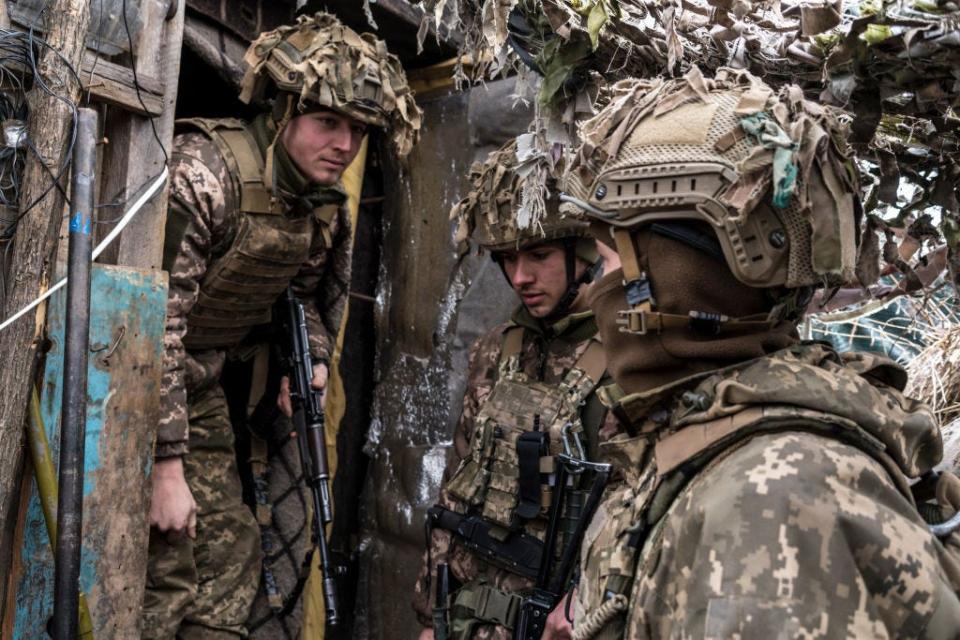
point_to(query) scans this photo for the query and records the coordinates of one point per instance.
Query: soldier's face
(323, 143)
(538, 275)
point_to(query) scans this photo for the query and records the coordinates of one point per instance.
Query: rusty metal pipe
(66, 585)
(46, 477)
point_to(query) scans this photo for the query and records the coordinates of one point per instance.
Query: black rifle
(551, 586)
(441, 603)
(308, 420)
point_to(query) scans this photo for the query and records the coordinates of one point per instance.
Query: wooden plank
(126, 342)
(113, 84)
(134, 156)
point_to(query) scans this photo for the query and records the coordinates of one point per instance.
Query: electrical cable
(136, 85)
(127, 217)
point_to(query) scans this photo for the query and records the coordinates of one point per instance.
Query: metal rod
(66, 585)
(46, 477)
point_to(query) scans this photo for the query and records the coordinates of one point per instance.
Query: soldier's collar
(287, 178)
(573, 327)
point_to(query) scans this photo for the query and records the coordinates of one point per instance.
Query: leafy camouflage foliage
(891, 66)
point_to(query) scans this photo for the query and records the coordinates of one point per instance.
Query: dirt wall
(431, 306)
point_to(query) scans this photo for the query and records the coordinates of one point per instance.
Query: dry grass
(935, 375)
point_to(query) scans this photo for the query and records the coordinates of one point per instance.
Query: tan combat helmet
(768, 171)
(328, 64)
(514, 204)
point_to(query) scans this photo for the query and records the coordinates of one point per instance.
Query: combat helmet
(514, 203)
(325, 63)
(769, 172)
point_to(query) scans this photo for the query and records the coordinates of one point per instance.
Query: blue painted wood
(128, 310)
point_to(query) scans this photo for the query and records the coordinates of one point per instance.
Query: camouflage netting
(893, 67)
(331, 65)
(513, 200)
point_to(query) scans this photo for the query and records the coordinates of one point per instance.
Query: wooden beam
(114, 84)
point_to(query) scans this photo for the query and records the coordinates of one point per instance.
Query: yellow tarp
(313, 610)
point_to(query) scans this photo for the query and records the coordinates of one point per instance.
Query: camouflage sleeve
(200, 195)
(481, 374)
(324, 284)
(794, 535)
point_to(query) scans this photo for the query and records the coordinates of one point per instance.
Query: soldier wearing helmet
(771, 495)
(254, 207)
(546, 361)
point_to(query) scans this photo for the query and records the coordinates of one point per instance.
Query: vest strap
(488, 604)
(243, 158)
(512, 342)
(593, 361)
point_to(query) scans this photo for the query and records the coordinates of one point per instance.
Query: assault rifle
(308, 420)
(568, 504)
(523, 554)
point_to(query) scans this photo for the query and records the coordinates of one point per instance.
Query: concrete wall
(431, 306)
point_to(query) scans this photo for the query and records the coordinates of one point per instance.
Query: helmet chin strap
(562, 308)
(268, 170)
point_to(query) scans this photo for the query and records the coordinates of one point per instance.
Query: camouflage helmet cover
(513, 203)
(328, 64)
(768, 171)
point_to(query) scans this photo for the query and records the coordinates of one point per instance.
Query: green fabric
(772, 136)
(575, 327)
(485, 603)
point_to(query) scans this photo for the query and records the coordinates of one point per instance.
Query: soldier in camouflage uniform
(769, 494)
(521, 368)
(253, 207)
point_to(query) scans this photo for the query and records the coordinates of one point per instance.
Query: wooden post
(133, 155)
(49, 129)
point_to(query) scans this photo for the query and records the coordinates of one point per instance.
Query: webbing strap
(512, 342)
(629, 259)
(639, 292)
(593, 361)
(489, 604)
(258, 376)
(254, 196)
(641, 318)
(326, 214)
(708, 324)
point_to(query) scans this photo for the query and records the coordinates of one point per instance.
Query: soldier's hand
(558, 627)
(283, 399)
(426, 634)
(320, 373)
(319, 382)
(172, 508)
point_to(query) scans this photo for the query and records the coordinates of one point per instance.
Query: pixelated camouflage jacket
(547, 354)
(202, 221)
(771, 500)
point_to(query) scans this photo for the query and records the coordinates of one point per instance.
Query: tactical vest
(500, 479)
(715, 416)
(494, 479)
(242, 283)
